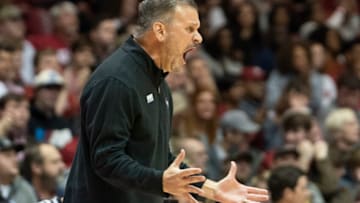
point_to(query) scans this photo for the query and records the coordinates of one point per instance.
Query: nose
(198, 38)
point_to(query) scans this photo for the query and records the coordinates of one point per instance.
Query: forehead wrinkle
(182, 9)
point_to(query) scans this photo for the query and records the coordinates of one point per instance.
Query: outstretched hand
(229, 190)
(178, 181)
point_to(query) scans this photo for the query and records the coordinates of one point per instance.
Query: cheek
(236, 139)
(50, 169)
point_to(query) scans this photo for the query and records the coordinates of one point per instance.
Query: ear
(36, 169)
(159, 31)
(287, 194)
(93, 34)
(337, 134)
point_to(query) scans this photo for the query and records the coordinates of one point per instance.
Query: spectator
(11, 77)
(294, 62)
(12, 186)
(65, 32)
(244, 162)
(279, 24)
(44, 124)
(295, 97)
(285, 156)
(288, 184)
(180, 81)
(334, 44)
(248, 38)
(5, 65)
(349, 93)
(342, 127)
(328, 89)
(43, 168)
(15, 114)
(296, 127)
(253, 102)
(196, 153)
(13, 29)
(313, 156)
(353, 57)
(75, 77)
(226, 60)
(47, 59)
(237, 131)
(232, 92)
(199, 72)
(201, 119)
(103, 37)
(346, 19)
(353, 166)
(289, 156)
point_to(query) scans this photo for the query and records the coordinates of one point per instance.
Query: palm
(229, 190)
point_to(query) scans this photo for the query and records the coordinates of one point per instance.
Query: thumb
(180, 158)
(232, 171)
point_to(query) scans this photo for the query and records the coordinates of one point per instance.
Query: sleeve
(110, 109)
(336, 18)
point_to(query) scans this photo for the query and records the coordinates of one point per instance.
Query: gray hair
(62, 7)
(154, 10)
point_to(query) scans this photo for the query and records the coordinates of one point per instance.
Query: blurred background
(276, 83)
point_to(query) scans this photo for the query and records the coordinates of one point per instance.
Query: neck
(343, 145)
(225, 145)
(201, 125)
(102, 51)
(43, 108)
(150, 45)
(42, 191)
(67, 38)
(5, 180)
(246, 33)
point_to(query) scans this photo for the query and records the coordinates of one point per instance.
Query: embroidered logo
(167, 103)
(149, 98)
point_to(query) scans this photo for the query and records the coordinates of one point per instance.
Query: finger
(257, 197)
(254, 190)
(189, 172)
(191, 198)
(194, 179)
(248, 201)
(179, 158)
(195, 190)
(232, 171)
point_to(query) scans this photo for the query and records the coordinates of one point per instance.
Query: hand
(306, 151)
(321, 150)
(178, 181)
(229, 190)
(7, 120)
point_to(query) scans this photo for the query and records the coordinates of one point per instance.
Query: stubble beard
(49, 182)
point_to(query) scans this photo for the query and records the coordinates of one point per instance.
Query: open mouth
(187, 53)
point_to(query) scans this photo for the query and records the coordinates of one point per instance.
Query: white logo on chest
(149, 98)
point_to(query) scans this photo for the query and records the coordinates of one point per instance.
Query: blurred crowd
(275, 87)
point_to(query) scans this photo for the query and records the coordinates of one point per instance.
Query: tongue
(187, 53)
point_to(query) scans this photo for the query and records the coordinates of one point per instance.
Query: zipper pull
(159, 89)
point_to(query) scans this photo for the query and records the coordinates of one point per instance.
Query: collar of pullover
(146, 62)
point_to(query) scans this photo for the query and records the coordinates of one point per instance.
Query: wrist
(209, 188)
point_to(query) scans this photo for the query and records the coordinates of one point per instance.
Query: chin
(174, 68)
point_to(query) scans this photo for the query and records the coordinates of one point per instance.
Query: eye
(190, 29)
